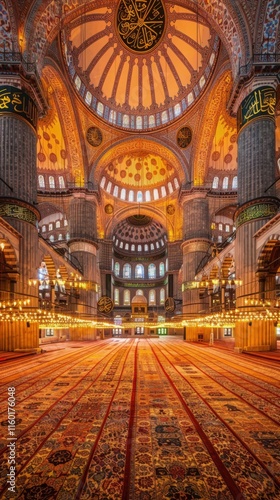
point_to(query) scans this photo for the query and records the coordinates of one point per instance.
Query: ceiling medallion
(140, 24)
(184, 137)
(94, 136)
(109, 209)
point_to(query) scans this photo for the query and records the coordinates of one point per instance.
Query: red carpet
(141, 419)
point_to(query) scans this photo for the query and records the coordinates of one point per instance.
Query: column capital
(244, 85)
(24, 76)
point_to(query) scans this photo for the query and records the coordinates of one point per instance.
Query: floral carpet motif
(141, 419)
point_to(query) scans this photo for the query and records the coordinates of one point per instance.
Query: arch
(9, 253)
(67, 119)
(267, 260)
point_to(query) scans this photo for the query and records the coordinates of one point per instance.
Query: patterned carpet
(143, 419)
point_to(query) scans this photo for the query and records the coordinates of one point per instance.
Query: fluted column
(257, 204)
(18, 198)
(83, 246)
(195, 248)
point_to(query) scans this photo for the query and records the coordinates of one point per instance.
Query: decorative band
(254, 212)
(18, 212)
(15, 101)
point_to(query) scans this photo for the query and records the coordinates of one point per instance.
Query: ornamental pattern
(256, 212)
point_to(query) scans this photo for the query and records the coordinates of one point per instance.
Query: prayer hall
(140, 249)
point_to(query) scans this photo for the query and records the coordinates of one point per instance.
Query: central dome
(140, 65)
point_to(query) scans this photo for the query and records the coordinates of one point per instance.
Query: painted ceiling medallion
(184, 137)
(140, 24)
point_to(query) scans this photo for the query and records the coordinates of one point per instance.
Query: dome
(139, 299)
(142, 64)
(139, 234)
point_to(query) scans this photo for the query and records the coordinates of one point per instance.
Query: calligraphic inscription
(256, 212)
(15, 101)
(261, 102)
(140, 24)
(105, 305)
(94, 136)
(170, 304)
(170, 209)
(184, 137)
(17, 212)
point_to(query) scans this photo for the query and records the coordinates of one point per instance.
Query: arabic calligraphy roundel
(140, 24)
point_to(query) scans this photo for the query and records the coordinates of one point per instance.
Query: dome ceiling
(139, 233)
(139, 65)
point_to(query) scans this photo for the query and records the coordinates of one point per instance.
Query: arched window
(117, 268)
(61, 182)
(126, 298)
(127, 271)
(156, 196)
(52, 237)
(234, 182)
(225, 183)
(170, 187)
(44, 229)
(148, 195)
(139, 196)
(51, 182)
(162, 296)
(60, 237)
(117, 296)
(116, 191)
(139, 292)
(51, 226)
(123, 194)
(41, 181)
(146, 247)
(131, 195)
(102, 183)
(215, 183)
(152, 298)
(100, 109)
(139, 271)
(151, 271)
(57, 224)
(161, 269)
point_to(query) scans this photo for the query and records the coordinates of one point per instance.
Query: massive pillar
(18, 191)
(257, 204)
(83, 248)
(195, 248)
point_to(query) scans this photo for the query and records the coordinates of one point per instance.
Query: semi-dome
(139, 234)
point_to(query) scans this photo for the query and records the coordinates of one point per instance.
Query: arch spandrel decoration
(216, 105)
(67, 122)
